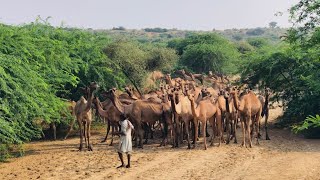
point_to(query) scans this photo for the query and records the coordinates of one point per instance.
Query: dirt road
(286, 156)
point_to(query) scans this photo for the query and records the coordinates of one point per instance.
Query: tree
(306, 15)
(273, 24)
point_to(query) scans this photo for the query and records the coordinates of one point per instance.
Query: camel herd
(181, 108)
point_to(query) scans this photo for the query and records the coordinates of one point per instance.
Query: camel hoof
(102, 141)
(267, 138)
(235, 142)
(111, 144)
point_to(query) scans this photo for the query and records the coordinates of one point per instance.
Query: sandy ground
(286, 156)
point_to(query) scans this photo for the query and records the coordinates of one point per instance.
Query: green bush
(310, 127)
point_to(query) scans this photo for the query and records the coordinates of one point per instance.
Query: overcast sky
(137, 14)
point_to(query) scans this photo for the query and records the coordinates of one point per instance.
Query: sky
(138, 14)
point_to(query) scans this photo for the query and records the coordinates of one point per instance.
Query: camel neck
(120, 107)
(193, 108)
(89, 102)
(101, 111)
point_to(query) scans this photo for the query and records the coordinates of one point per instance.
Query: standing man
(125, 145)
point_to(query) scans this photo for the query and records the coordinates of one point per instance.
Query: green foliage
(257, 42)
(273, 24)
(136, 60)
(310, 127)
(255, 32)
(158, 30)
(40, 66)
(306, 15)
(292, 71)
(204, 52)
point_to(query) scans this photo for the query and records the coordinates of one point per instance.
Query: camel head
(233, 90)
(111, 93)
(205, 92)
(93, 86)
(129, 90)
(191, 97)
(164, 98)
(168, 76)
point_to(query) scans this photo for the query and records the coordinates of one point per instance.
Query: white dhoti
(125, 145)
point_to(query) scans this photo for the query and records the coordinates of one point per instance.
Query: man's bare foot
(121, 166)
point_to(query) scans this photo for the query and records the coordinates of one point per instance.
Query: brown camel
(139, 112)
(84, 116)
(204, 111)
(109, 111)
(265, 109)
(250, 109)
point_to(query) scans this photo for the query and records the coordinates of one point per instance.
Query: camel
(250, 109)
(204, 111)
(107, 110)
(265, 110)
(139, 112)
(84, 116)
(170, 81)
(156, 75)
(181, 108)
(71, 105)
(231, 117)
(185, 76)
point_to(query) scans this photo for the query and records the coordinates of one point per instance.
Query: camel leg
(112, 136)
(212, 122)
(89, 135)
(108, 130)
(54, 128)
(70, 128)
(186, 126)
(243, 133)
(220, 130)
(196, 133)
(81, 136)
(249, 132)
(257, 128)
(146, 132)
(228, 128)
(85, 133)
(204, 124)
(207, 133)
(234, 126)
(151, 131)
(266, 124)
(165, 134)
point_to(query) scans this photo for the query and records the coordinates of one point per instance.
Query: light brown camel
(71, 105)
(250, 109)
(84, 116)
(204, 111)
(181, 108)
(231, 117)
